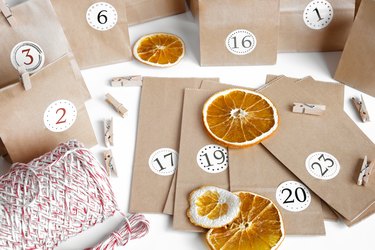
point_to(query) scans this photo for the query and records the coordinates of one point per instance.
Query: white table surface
(321, 66)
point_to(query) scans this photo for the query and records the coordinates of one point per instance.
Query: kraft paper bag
(238, 32)
(140, 11)
(157, 145)
(97, 31)
(324, 152)
(169, 204)
(202, 162)
(194, 7)
(35, 121)
(356, 66)
(317, 25)
(36, 25)
(256, 170)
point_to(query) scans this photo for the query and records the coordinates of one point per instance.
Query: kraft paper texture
(217, 19)
(158, 127)
(356, 66)
(91, 47)
(23, 130)
(31, 27)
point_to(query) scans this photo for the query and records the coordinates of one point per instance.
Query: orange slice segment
(159, 49)
(239, 118)
(212, 207)
(258, 227)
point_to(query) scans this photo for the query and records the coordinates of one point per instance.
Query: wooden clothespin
(366, 170)
(311, 109)
(4, 8)
(117, 105)
(127, 81)
(25, 77)
(110, 163)
(360, 105)
(108, 132)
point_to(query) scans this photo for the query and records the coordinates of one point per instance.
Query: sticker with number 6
(163, 161)
(101, 16)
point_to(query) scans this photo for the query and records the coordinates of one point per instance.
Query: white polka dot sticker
(60, 116)
(322, 165)
(101, 16)
(318, 14)
(213, 158)
(241, 42)
(28, 55)
(163, 161)
(293, 196)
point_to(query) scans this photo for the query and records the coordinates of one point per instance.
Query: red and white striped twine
(58, 196)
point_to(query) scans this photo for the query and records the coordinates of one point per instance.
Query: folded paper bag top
(97, 31)
(35, 121)
(27, 40)
(35, 209)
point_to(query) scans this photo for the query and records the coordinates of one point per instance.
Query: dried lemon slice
(159, 49)
(258, 227)
(239, 118)
(212, 207)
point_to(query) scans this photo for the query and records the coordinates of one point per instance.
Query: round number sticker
(241, 42)
(28, 55)
(322, 165)
(60, 116)
(293, 196)
(101, 16)
(163, 161)
(213, 159)
(318, 14)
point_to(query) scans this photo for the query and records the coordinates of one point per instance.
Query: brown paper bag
(35, 121)
(240, 32)
(97, 31)
(201, 162)
(169, 204)
(140, 11)
(314, 25)
(255, 169)
(356, 66)
(46, 32)
(157, 143)
(324, 151)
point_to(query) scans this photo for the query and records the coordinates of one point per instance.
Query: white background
(161, 236)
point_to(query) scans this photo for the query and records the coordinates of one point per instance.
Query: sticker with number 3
(28, 55)
(322, 165)
(163, 161)
(60, 115)
(101, 16)
(318, 14)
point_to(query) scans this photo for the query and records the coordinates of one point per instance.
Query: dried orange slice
(258, 227)
(239, 118)
(212, 207)
(159, 49)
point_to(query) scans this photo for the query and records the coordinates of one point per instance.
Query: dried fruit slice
(159, 49)
(258, 227)
(239, 118)
(212, 207)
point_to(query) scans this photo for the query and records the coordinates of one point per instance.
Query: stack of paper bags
(310, 162)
